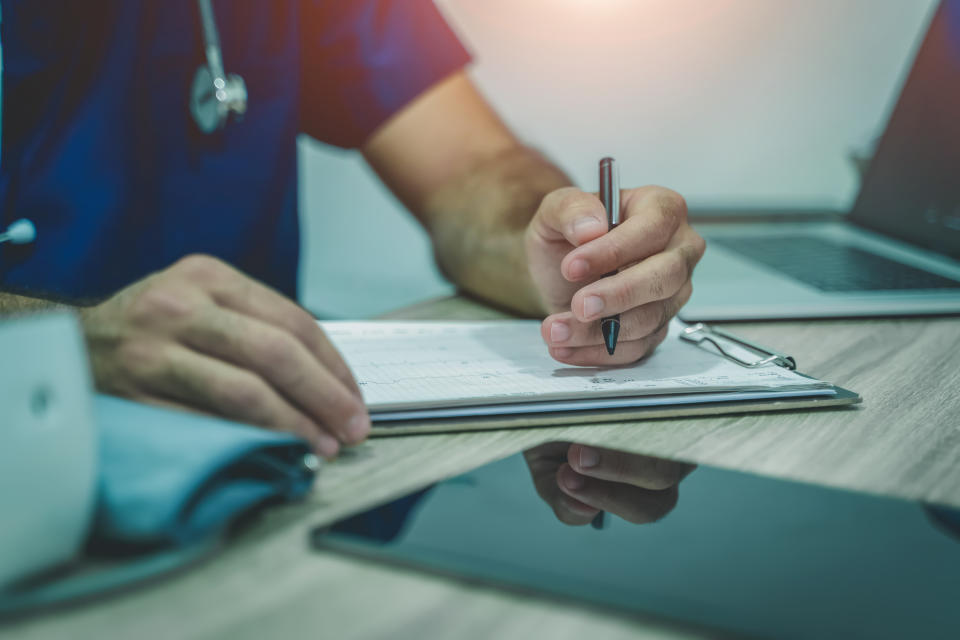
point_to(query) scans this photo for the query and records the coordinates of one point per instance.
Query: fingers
(659, 277)
(180, 375)
(571, 511)
(651, 218)
(633, 504)
(652, 255)
(571, 215)
(641, 471)
(565, 330)
(284, 363)
(579, 481)
(232, 289)
(627, 352)
(543, 462)
(205, 336)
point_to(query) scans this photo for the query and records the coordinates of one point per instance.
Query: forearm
(13, 304)
(477, 222)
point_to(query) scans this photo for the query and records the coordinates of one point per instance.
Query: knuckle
(160, 302)
(689, 256)
(673, 305)
(247, 396)
(699, 245)
(665, 505)
(672, 204)
(615, 252)
(604, 495)
(668, 472)
(139, 359)
(575, 198)
(276, 351)
(619, 466)
(646, 320)
(622, 296)
(662, 316)
(565, 516)
(652, 509)
(570, 203)
(558, 198)
(200, 267)
(660, 480)
(658, 337)
(657, 285)
(306, 328)
(569, 511)
(640, 516)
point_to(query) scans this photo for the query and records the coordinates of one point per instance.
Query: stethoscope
(214, 94)
(20, 231)
(213, 97)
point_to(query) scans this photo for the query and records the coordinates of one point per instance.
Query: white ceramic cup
(48, 444)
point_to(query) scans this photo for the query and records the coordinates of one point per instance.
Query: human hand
(579, 481)
(200, 335)
(569, 250)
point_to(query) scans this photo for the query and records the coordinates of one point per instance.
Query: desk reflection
(579, 481)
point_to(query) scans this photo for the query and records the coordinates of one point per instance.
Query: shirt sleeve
(363, 60)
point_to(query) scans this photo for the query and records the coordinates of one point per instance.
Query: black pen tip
(610, 329)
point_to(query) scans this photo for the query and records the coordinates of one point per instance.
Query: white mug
(48, 444)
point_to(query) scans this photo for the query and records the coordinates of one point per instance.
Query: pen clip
(700, 333)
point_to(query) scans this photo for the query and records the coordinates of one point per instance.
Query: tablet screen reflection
(718, 549)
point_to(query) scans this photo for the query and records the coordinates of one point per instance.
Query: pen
(610, 197)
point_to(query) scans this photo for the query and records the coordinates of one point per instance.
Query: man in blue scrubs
(180, 248)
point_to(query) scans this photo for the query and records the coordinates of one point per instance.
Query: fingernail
(584, 225)
(573, 481)
(589, 457)
(562, 352)
(327, 446)
(578, 268)
(592, 305)
(559, 332)
(358, 428)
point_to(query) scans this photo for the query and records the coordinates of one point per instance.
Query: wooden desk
(904, 441)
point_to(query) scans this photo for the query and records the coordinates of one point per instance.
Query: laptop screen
(912, 189)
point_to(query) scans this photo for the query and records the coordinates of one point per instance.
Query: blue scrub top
(100, 152)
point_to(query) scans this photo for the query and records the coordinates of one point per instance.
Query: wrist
(14, 304)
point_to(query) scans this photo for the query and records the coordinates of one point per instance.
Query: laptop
(897, 252)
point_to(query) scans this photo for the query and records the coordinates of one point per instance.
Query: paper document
(428, 366)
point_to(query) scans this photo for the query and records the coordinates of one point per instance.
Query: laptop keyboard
(832, 266)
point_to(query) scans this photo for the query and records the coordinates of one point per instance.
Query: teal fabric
(170, 478)
(170, 484)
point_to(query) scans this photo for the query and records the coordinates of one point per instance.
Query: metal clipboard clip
(699, 333)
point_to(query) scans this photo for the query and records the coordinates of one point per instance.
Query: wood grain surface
(903, 441)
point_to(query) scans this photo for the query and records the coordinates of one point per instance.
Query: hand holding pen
(611, 277)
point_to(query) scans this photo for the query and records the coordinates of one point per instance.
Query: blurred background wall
(732, 103)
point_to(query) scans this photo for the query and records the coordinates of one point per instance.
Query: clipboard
(429, 377)
(843, 398)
